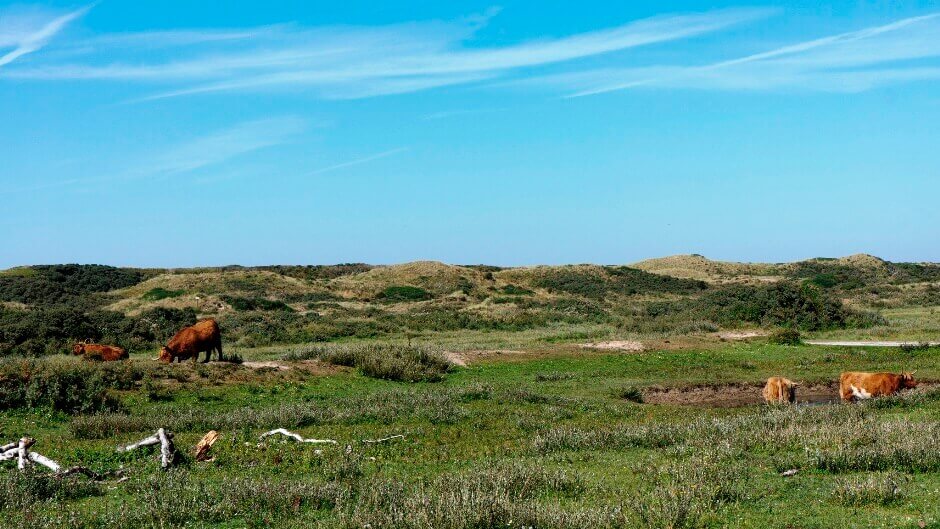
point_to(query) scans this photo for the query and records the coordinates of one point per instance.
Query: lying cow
(857, 386)
(204, 336)
(94, 351)
(779, 390)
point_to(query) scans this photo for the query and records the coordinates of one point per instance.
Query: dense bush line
(614, 280)
(57, 284)
(51, 330)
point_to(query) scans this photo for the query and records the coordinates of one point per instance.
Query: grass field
(545, 397)
(544, 440)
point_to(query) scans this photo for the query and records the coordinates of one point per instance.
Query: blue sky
(163, 133)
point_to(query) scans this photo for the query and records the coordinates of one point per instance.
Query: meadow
(515, 424)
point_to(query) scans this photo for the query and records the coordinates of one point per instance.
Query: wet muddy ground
(735, 395)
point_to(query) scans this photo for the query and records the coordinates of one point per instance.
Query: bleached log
(162, 438)
(44, 461)
(147, 441)
(12, 453)
(9, 446)
(167, 449)
(384, 439)
(202, 448)
(22, 452)
(297, 437)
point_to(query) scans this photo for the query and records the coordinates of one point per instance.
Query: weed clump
(785, 336)
(403, 363)
(872, 489)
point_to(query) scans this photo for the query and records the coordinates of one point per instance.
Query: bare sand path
(860, 343)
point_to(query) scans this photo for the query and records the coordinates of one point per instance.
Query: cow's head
(165, 355)
(78, 348)
(791, 391)
(907, 380)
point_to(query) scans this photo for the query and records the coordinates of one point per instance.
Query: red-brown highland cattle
(204, 336)
(94, 351)
(859, 386)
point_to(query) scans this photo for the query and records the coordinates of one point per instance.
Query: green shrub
(785, 336)
(158, 293)
(613, 280)
(871, 489)
(404, 293)
(67, 386)
(513, 290)
(19, 490)
(630, 393)
(255, 303)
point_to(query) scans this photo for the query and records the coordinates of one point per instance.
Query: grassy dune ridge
(512, 414)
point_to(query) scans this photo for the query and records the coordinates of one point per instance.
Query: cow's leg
(208, 355)
(219, 347)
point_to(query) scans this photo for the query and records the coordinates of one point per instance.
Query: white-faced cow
(855, 385)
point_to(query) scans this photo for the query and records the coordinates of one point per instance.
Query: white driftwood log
(162, 438)
(167, 450)
(384, 439)
(297, 437)
(8, 446)
(22, 453)
(147, 441)
(44, 461)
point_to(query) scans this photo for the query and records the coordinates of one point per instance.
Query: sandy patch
(270, 364)
(455, 358)
(741, 335)
(615, 345)
(854, 343)
(464, 358)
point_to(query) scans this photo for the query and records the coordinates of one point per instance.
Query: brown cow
(856, 385)
(779, 390)
(94, 351)
(189, 342)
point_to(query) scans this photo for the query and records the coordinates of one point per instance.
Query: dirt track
(849, 343)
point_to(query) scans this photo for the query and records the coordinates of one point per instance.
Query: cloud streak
(36, 39)
(348, 62)
(358, 161)
(846, 62)
(211, 149)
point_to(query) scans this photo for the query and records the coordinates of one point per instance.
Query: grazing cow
(189, 342)
(855, 385)
(94, 351)
(779, 390)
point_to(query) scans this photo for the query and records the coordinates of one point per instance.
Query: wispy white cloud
(222, 145)
(847, 62)
(209, 150)
(16, 32)
(358, 161)
(350, 62)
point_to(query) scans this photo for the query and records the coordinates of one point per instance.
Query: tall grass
(406, 363)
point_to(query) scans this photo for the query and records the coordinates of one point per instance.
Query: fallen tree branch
(164, 439)
(384, 439)
(44, 461)
(202, 448)
(167, 449)
(22, 453)
(147, 441)
(297, 437)
(84, 471)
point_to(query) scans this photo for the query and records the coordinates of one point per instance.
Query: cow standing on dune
(779, 390)
(94, 351)
(189, 342)
(859, 386)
